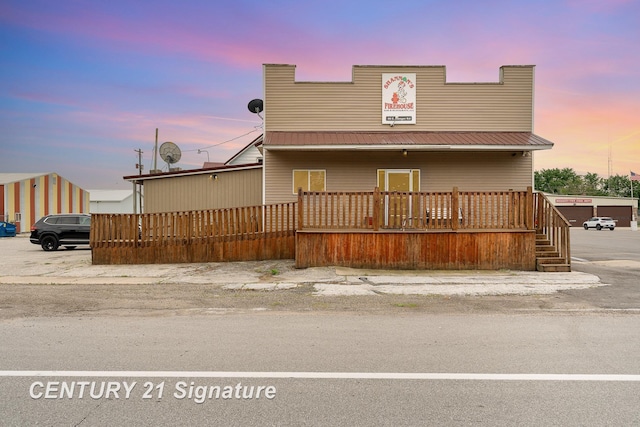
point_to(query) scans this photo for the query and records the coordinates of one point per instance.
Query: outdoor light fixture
(204, 151)
(405, 152)
(213, 177)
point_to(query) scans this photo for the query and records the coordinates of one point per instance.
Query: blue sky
(85, 83)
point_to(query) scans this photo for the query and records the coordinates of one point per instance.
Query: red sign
(574, 200)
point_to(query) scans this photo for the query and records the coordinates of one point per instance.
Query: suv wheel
(586, 227)
(598, 227)
(49, 243)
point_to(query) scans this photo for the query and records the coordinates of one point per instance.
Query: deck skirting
(441, 250)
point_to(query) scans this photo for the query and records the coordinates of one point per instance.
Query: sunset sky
(85, 83)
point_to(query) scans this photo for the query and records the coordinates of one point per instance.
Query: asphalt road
(614, 256)
(459, 367)
(227, 350)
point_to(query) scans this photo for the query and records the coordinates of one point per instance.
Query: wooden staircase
(548, 257)
(553, 245)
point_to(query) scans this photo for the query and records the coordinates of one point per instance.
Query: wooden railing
(183, 227)
(269, 232)
(550, 222)
(377, 210)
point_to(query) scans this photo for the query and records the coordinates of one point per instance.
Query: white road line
(327, 375)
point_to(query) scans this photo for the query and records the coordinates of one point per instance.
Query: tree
(593, 185)
(558, 181)
(620, 186)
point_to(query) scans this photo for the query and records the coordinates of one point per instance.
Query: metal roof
(188, 172)
(7, 178)
(109, 195)
(395, 139)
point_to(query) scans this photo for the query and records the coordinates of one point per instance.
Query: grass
(406, 305)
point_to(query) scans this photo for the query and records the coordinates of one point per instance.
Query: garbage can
(7, 229)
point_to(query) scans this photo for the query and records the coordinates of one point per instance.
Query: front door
(397, 206)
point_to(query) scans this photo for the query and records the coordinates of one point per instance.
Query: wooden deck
(417, 230)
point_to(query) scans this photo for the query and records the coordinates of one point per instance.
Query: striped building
(25, 198)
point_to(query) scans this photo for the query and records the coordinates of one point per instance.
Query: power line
(256, 129)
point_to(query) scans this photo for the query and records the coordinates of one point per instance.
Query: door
(397, 207)
(576, 215)
(620, 214)
(67, 226)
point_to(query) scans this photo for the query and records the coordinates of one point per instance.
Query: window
(399, 179)
(309, 180)
(68, 220)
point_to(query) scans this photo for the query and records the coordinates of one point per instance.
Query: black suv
(68, 230)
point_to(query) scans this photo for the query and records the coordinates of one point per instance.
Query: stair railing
(550, 222)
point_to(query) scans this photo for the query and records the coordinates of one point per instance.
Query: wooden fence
(233, 234)
(379, 210)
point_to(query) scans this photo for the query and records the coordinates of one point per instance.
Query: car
(68, 230)
(599, 222)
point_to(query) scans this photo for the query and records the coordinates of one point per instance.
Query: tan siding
(440, 106)
(198, 192)
(480, 171)
(356, 171)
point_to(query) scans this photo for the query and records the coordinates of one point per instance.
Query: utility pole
(155, 154)
(137, 188)
(139, 164)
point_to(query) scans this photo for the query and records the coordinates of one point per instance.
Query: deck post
(376, 209)
(455, 205)
(300, 209)
(529, 209)
(540, 214)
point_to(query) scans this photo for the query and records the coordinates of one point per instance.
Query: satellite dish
(256, 106)
(170, 153)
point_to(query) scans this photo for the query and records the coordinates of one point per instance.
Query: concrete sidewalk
(25, 263)
(326, 281)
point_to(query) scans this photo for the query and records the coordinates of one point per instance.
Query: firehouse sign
(399, 99)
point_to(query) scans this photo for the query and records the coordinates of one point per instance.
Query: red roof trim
(298, 139)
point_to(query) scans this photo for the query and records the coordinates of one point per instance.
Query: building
(200, 189)
(251, 153)
(399, 128)
(578, 209)
(396, 168)
(111, 201)
(353, 136)
(27, 197)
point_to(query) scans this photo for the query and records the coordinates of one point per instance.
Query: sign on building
(399, 98)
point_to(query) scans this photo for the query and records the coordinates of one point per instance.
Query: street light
(204, 151)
